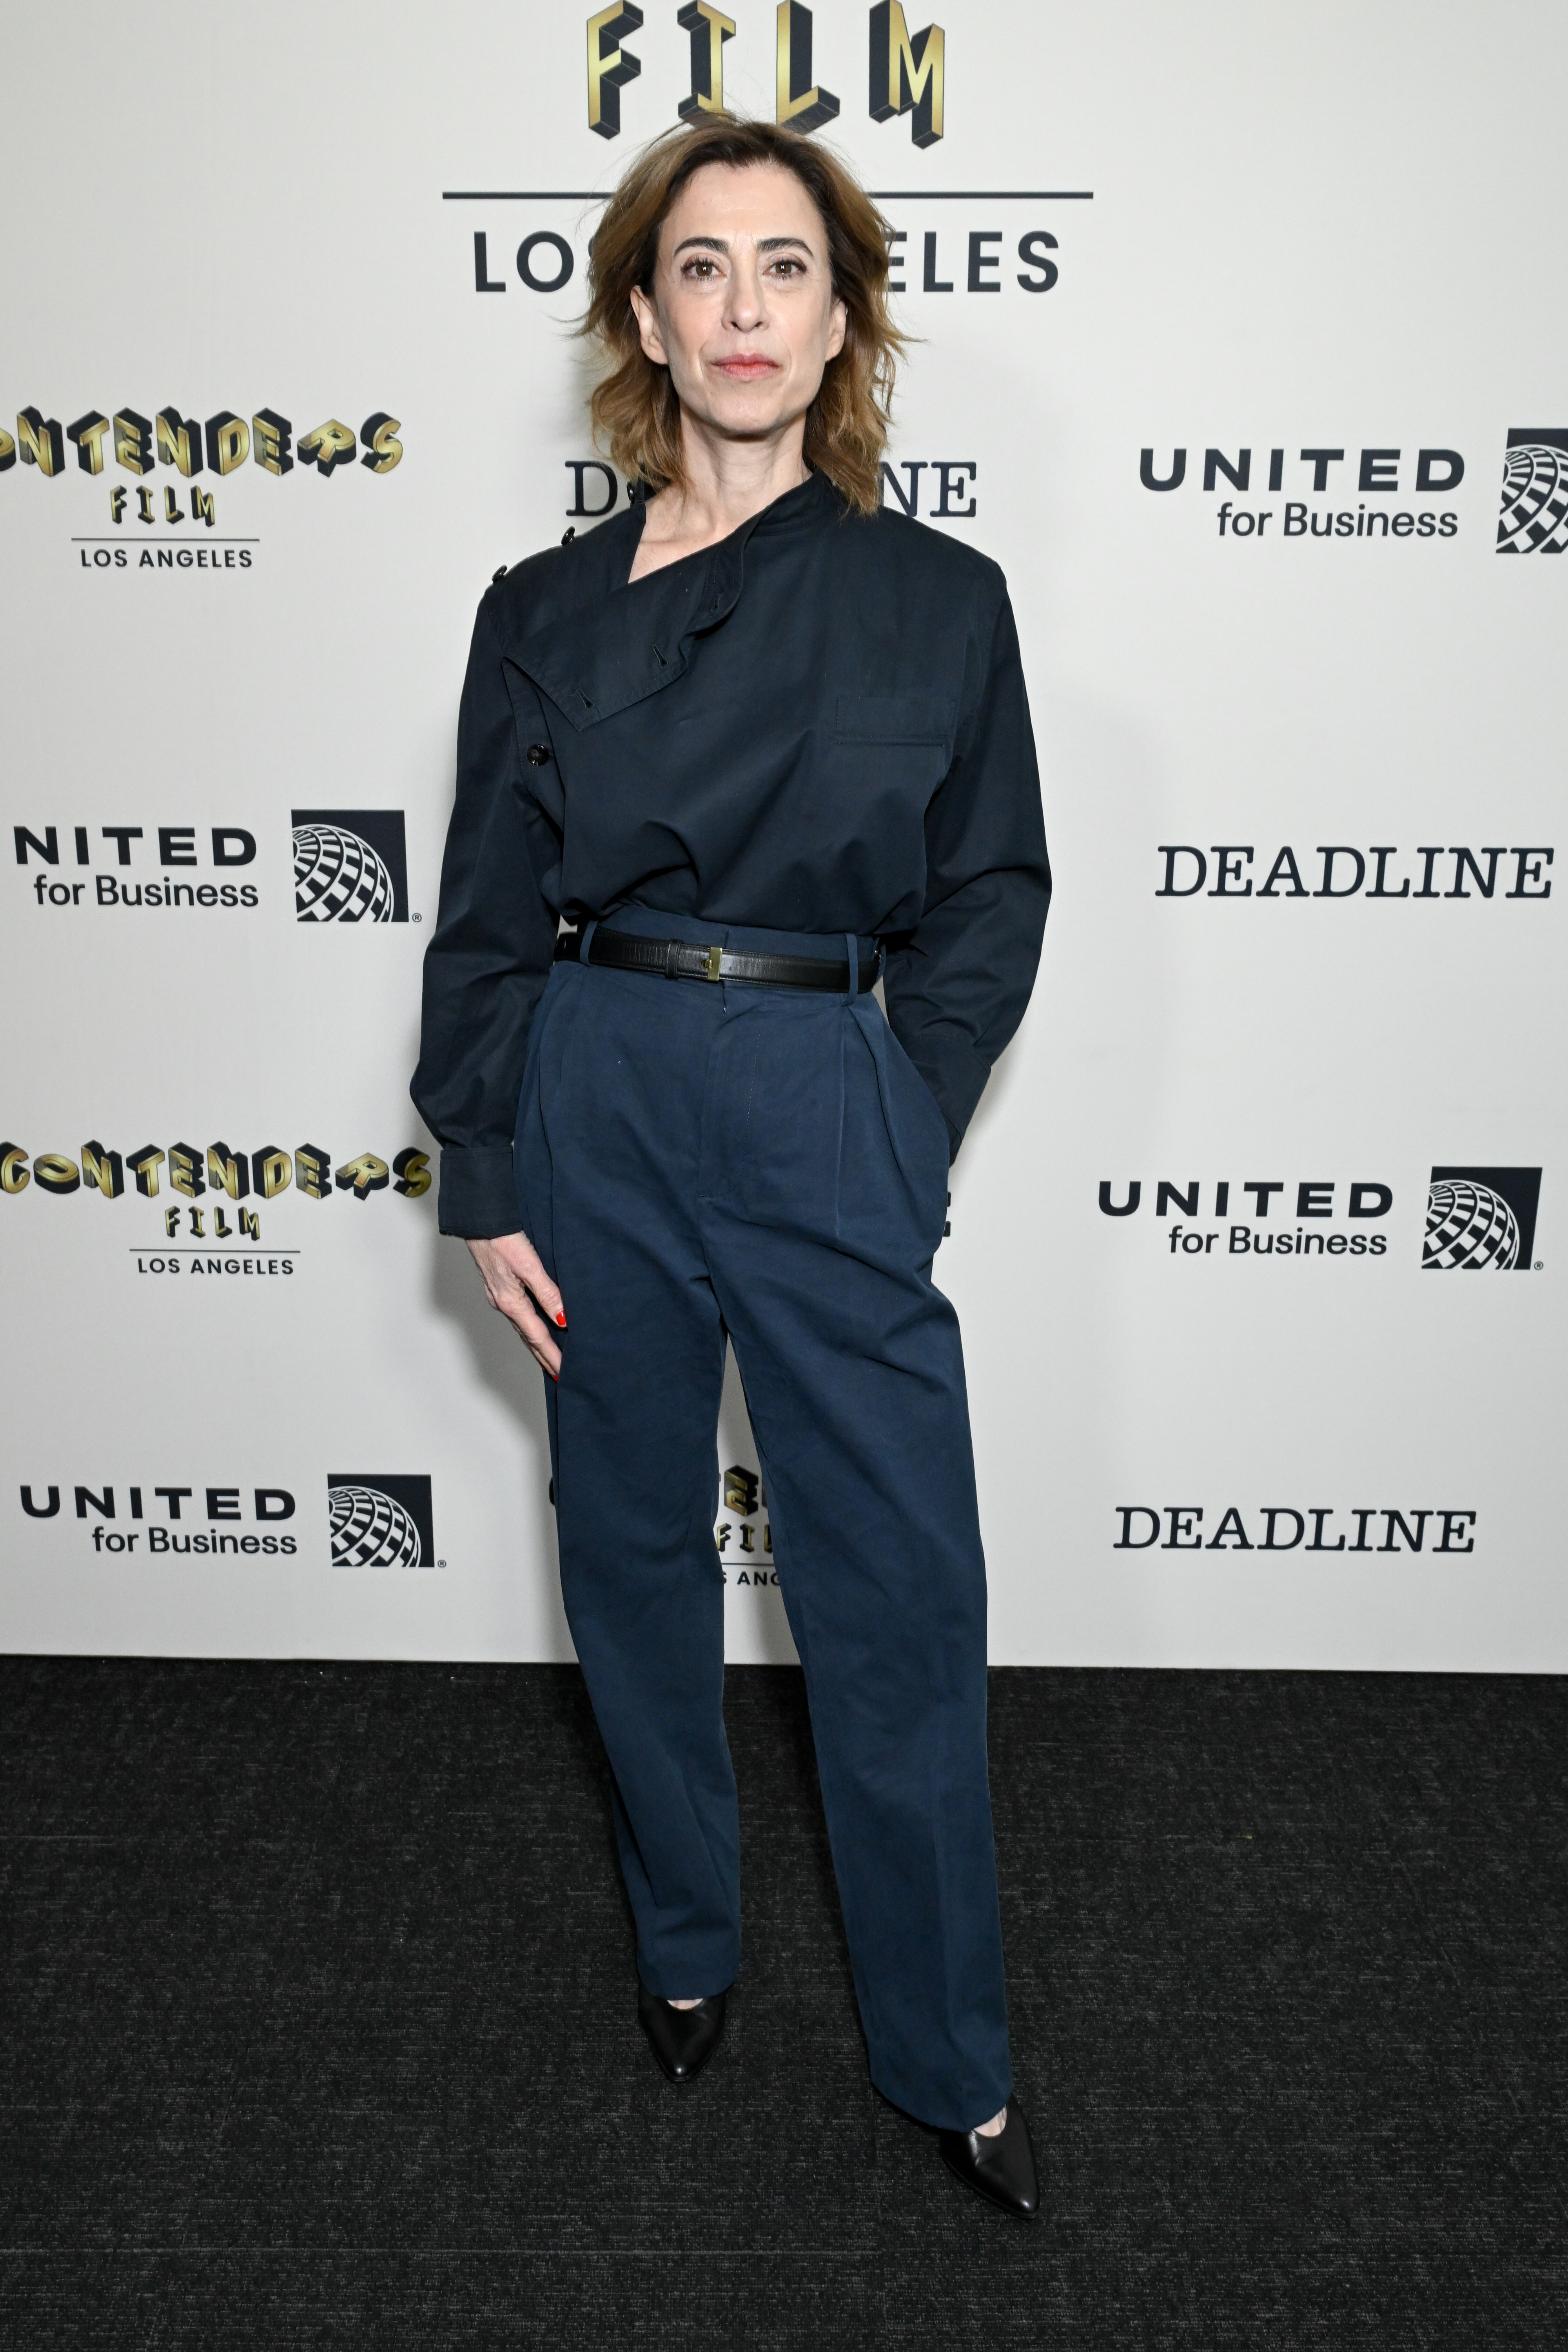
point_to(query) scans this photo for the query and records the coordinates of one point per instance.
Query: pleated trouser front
(695, 1161)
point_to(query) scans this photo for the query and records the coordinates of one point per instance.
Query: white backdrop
(1277, 230)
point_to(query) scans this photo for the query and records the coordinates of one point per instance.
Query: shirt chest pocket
(884, 720)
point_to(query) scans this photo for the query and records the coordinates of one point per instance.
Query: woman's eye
(701, 268)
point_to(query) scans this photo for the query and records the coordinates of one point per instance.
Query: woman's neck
(727, 482)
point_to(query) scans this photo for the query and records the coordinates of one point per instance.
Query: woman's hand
(514, 1279)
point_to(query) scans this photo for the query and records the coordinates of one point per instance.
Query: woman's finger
(518, 1308)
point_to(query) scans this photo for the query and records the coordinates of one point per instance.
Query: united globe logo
(379, 1521)
(1535, 519)
(1480, 1218)
(351, 865)
(1470, 1225)
(338, 877)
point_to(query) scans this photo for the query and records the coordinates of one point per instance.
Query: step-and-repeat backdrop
(1238, 343)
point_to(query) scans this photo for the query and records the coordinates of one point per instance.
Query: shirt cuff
(477, 1199)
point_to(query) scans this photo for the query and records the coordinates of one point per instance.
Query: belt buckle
(715, 957)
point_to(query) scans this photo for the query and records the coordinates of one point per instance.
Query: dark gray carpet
(319, 2025)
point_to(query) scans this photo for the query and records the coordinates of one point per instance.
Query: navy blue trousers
(695, 1161)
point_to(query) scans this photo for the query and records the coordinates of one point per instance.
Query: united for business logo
(351, 865)
(380, 1520)
(1481, 1217)
(1534, 518)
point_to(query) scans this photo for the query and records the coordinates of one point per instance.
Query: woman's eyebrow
(721, 244)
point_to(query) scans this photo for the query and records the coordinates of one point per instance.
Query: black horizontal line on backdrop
(123, 539)
(245, 1249)
(890, 196)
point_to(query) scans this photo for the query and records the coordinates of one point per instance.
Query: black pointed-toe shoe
(1001, 2169)
(682, 2040)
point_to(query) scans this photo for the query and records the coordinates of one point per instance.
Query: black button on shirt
(817, 725)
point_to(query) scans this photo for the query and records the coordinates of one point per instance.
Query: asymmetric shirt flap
(819, 725)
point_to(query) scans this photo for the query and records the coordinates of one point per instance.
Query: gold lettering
(228, 442)
(383, 448)
(104, 1169)
(411, 1170)
(331, 444)
(272, 1170)
(7, 452)
(56, 1173)
(363, 1176)
(226, 1172)
(202, 507)
(179, 441)
(709, 32)
(250, 1225)
(185, 1170)
(274, 439)
(312, 1166)
(609, 70)
(173, 510)
(145, 1166)
(907, 76)
(800, 102)
(15, 1175)
(87, 434)
(42, 442)
(132, 442)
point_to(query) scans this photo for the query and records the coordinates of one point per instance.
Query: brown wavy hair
(635, 408)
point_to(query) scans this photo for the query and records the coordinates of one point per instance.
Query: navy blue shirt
(817, 725)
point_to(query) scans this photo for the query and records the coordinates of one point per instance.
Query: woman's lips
(744, 370)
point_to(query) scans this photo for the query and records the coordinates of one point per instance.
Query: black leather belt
(680, 959)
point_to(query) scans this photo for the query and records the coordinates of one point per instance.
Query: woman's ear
(649, 329)
(837, 328)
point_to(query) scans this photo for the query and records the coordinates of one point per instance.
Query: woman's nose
(746, 307)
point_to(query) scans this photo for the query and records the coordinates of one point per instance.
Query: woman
(759, 739)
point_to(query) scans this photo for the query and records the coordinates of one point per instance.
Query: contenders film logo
(213, 1189)
(164, 455)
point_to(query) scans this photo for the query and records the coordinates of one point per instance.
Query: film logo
(743, 1533)
(383, 1519)
(223, 446)
(220, 1194)
(908, 73)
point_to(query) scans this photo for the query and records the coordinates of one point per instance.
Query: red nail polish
(562, 1321)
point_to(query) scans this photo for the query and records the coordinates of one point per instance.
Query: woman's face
(742, 308)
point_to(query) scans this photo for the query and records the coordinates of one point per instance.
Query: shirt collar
(619, 648)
